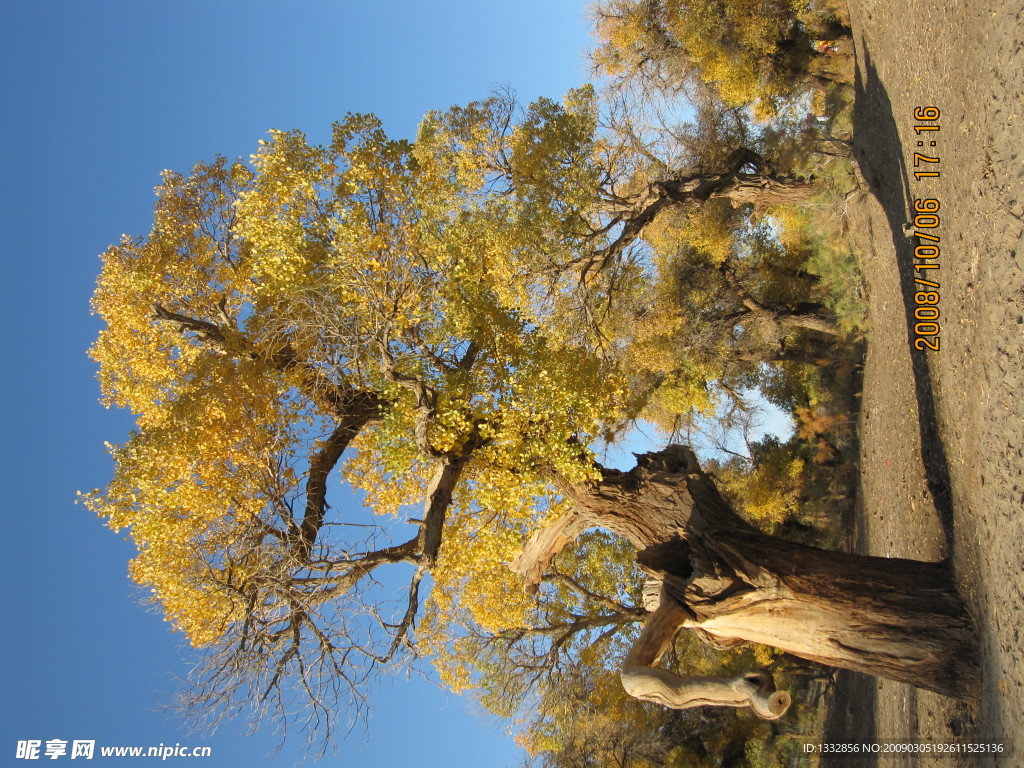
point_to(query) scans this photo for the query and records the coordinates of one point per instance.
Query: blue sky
(98, 97)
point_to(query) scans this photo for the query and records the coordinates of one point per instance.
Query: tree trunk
(781, 323)
(643, 680)
(894, 618)
(761, 188)
(808, 320)
(780, 320)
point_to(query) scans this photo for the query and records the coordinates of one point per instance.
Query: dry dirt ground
(942, 433)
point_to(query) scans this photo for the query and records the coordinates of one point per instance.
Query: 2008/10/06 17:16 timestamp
(926, 222)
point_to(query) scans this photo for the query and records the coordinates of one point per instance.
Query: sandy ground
(942, 433)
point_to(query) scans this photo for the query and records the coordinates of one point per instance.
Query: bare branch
(643, 680)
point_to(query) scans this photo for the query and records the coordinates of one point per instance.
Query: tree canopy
(366, 296)
(451, 326)
(428, 311)
(748, 52)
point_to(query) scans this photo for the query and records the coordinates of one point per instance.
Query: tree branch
(205, 331)
(333, 399)
(362, 409)
(762, 187)
(643, 680)
(780, 319)
(612, 605)
(409, 619)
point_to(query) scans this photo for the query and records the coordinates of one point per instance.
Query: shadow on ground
(851, 719)
(880, 155)
(881, 158)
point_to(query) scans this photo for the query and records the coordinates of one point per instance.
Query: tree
(623, 229)
(599, 195)
(731, 290)
(557, 680)
(751, 52)
(325, 302)
(893, 618)
(715, 319)
(420, 319)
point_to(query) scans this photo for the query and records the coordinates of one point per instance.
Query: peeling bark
(894, 618)
(810, 321)
(643, 680)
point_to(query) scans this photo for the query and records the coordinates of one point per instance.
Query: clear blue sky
(98, 97)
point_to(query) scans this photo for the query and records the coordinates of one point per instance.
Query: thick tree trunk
(898, 619)
(808, 320)
(894, 618)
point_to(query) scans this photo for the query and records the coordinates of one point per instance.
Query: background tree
(734, 293)
(726, 303)
(752, 52)
(658, 243)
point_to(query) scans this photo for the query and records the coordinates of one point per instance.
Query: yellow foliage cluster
(513, 193)
(791, 225)
(262, 284)
(711, 229)
(731, 44)
(191, 484)
(769, 493)
(658, 351)
(769, 499)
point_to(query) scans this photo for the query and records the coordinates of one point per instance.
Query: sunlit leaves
(518, 187)
(270, 294)
(749, 51)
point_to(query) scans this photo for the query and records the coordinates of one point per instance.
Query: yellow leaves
(792, 225)
(195, 475)
(256, 280)
(334, 222)
(770, 501)
(452, 149)
(686, 391)
(623, 30)
(711, 229)
(768, 493)
(505, 190)
(388, 474)
(732, 45)
(819, 429)
(550, 148)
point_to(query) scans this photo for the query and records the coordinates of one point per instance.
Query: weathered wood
(894, 618)
(643, 680)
